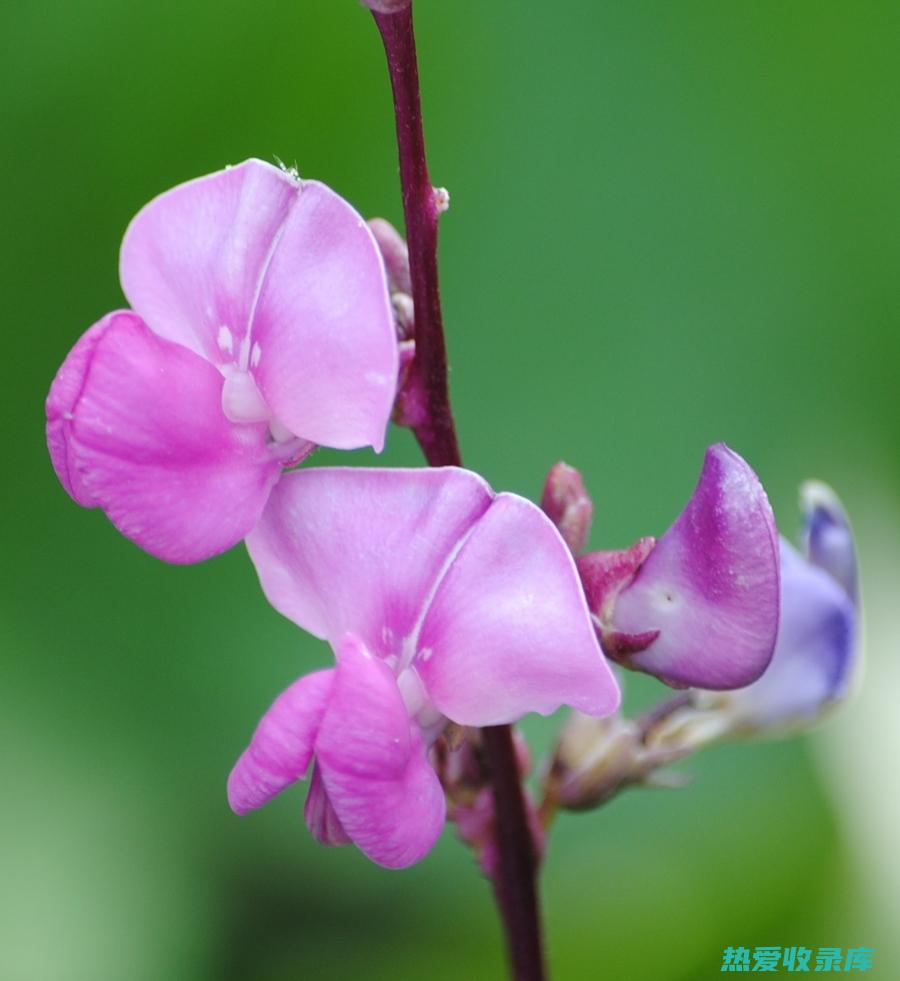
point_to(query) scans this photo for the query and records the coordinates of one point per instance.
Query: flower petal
(253, 267)
(193, 258)
(282, 745)
(145, 439)
(64, 394)
(385, 794)
(324, 342)
(813, 660)
(827, 537)
(341, 549)
(508, 631)
(710, 585)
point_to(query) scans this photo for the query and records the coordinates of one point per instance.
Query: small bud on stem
(568, 505)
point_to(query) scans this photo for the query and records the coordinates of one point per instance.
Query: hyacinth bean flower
(443, 602)
(261, 325)
(698, 607)
(817, 654)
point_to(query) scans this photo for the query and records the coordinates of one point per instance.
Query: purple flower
(817, 652)
(699, 607)
(261, 326)
(443, 602)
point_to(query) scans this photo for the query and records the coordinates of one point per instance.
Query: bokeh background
(672, 224)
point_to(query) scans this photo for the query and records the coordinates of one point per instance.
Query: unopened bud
(568, 505)
(476, 825)
(395, 253)
(817, 653)
(596, 759)
(708, 588)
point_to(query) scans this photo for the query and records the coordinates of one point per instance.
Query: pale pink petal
(192, 259)
(508, 631)
(250, 266)
(342, 549)
(710, 586)
(386, 796)
(282, 745)
(145, 439)
(324, 343)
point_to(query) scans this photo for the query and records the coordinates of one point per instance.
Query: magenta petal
(710, 586)
(146, 440)
(385, 794)
(64, 394)
(508, 631)
(282, 745)
(343, 549)
(324, 342)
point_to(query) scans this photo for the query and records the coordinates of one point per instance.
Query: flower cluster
(267, 318)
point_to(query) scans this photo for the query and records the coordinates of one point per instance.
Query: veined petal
(324, 349)
(351, 550)
(814, 655)
(710, 585)
(282, 745)
(508, 631)
(281, 277)
(385, 794)
(64, 394)
(145, 439)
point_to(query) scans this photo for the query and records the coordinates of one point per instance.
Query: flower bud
(827, 538)
(700, 607)
(395, 253)
(568, 505)
(817, 653)
(594, 759)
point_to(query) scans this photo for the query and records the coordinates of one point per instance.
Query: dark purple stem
(435, 432)
(515, 886)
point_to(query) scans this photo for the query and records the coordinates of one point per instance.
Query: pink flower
(261, 326)
(442, 602)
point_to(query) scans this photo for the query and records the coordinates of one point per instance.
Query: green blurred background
(672, 224)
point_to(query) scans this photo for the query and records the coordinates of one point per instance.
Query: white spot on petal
(225, 339)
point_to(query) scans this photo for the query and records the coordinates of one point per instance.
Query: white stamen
(242, 400)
